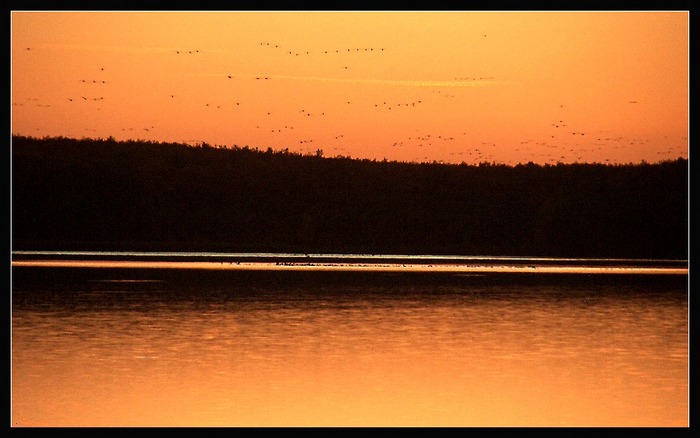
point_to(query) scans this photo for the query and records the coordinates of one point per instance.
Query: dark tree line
(138, 195)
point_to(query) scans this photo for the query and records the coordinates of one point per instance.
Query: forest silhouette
(103, 194)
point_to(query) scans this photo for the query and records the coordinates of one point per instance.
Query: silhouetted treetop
(142, 195)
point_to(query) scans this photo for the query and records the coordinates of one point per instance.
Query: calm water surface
(117, 347)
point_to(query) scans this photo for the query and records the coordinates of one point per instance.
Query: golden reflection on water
(335, 266)
(465, 358)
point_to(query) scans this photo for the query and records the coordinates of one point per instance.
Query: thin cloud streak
(361, 81)
(124, 49)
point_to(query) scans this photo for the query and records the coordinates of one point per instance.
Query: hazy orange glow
(502, 87)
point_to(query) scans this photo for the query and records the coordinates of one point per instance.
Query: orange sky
(503, 87)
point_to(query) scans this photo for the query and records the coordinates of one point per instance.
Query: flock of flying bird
(337, 143)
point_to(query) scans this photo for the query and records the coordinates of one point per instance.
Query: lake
(162, 339)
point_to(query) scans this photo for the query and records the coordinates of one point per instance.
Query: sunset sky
(503, 87)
